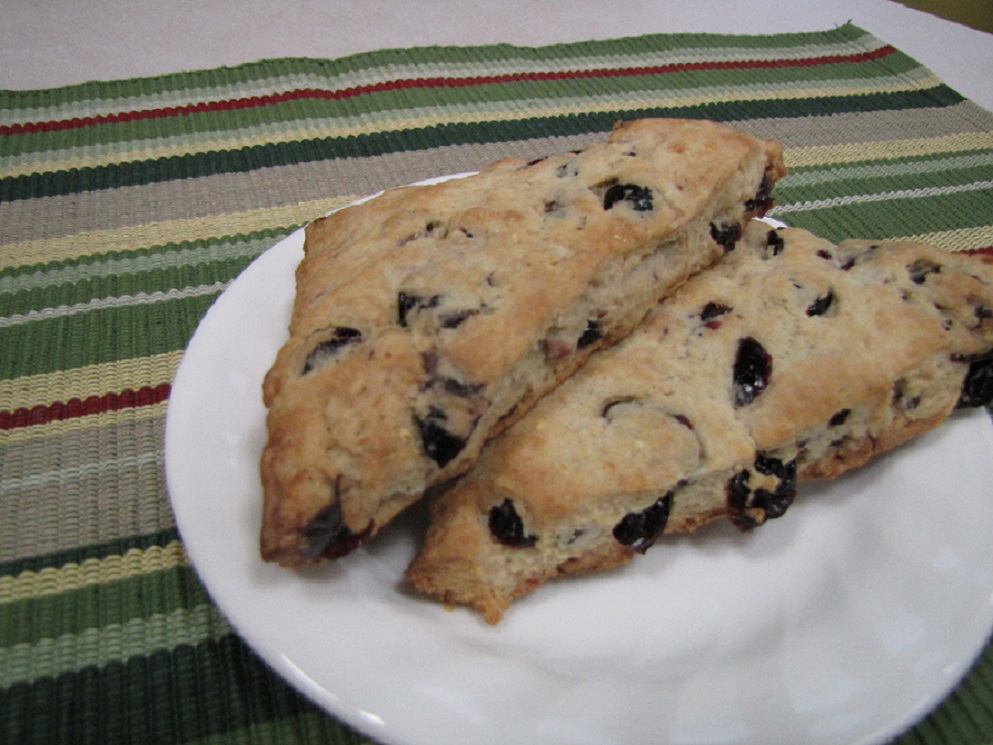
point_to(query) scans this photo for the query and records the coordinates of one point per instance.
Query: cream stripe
(957, 240)
(157, 233)
(113, 643)
(497, 111)
(832, 202)
(121, 301)
(31, 585)
(849, 152)
(92, 380)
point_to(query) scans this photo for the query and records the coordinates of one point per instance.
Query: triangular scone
(430, 317)
(791, 359)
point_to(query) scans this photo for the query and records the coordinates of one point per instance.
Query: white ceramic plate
(842, 623)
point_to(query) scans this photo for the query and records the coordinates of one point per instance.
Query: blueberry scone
(791, 359)
(430, 317)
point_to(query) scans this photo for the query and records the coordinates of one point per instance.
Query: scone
(791, 359)
(430, 317)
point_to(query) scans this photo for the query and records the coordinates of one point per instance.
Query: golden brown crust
(429, 318)
(849, 350)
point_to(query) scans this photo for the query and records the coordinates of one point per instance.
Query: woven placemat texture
(127, 207)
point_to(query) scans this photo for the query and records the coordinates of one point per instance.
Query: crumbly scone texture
(429, 318)
(791, 359)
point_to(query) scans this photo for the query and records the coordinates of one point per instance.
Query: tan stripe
(31, 585)
(115, 642)
(388, 121)
(85, 486)
(157, 233)
(82, 424)
(92, 380)
(957, 240)
(850, 152)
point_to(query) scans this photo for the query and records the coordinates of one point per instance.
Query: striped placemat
(127, 207)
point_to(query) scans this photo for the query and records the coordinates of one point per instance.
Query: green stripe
(100, 605)
(122, 286)
(262, 156)
(839, 175)
(186, 694)
(887, 180)
(101, 646)
(897, 218)
(84, 553)
(311, 727)
(164, 257)
(106, 335)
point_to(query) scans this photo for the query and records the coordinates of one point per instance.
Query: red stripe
(75, 407)
(436, 82)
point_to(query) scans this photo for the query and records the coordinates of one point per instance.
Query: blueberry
(591, 334)
(411, 302)
(774, 241)
(752, 370)
(713, 310)
(453, 319)
(508, 528)
(638, 197)
(341, 336)
(820, 306)
(326, 534)
(762, 199)
(640, 530)
(839, 418)
(725, 235)
(748, 508)
(920, 270)
(977, 388)
(440, 445)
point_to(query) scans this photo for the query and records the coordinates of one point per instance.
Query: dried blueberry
(640, 530)
(409, 302)
(920, 270)
(748, 508)
(458, 388)
(340, 336)
(508, 528)
(713, 310)
(326, 534)
(775, 241)
(820, 305)
(839, 418)
(762, 199)
(638, 197)
(752, 370)
(776, 501)
(440, 445)
(454, 319)
(977, 388)
(725, 235)
(590, 334)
